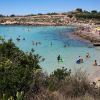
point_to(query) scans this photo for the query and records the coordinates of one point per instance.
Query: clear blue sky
(21, 7)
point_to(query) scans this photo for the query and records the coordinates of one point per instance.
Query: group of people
(18, 38)
(79, 61)
(66, 45)
(36, 43)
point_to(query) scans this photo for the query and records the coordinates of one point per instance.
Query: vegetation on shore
(16, 68)
(80, 14)
(66, 18)
(21, 78)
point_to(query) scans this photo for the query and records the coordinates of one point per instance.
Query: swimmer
(33, 42)
(59, 58)
(80, 59)
(43, 59)
(39, 43)
(65, 46)
(87, 55)
(28, 30)
(18, 39)
(95, 63)
(68, 44)
(32, 50)
(51, 44)
(23, 38)
(36, 43)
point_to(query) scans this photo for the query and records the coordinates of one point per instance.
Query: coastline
(89, 36)
(84, 35)
(34, 24)
(56, 20)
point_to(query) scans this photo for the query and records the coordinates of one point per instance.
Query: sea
(51, 41)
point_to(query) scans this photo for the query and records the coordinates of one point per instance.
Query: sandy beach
(83, 30)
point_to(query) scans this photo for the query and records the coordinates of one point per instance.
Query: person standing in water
(51, 44)
(95, 63)
(65, 46)
(80, 59)
(58, 58)
(87, 55)
(36, 43)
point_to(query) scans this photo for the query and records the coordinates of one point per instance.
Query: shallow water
(59, 36)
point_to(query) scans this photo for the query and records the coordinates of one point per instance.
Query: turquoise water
(59, 36)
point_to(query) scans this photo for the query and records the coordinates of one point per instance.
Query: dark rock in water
(96, 44)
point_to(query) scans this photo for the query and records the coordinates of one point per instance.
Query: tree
(85, 11)
(12, 15)
(1, 15)
(16, 69)
(40, 14)
(53, 13)
(79, 10)
(94, 11)
(61, 74)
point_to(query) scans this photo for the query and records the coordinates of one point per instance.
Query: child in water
(87, 55)
(95, 63)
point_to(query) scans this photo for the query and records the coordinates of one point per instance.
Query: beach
(59, 36)
(84, 32)
(84, 29)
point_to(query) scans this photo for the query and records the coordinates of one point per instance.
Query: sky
(24, 7)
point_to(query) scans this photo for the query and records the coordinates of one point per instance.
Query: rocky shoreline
(93, 38)
(90, 36)
(87, 36)
(38, 20)
(34, 24)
